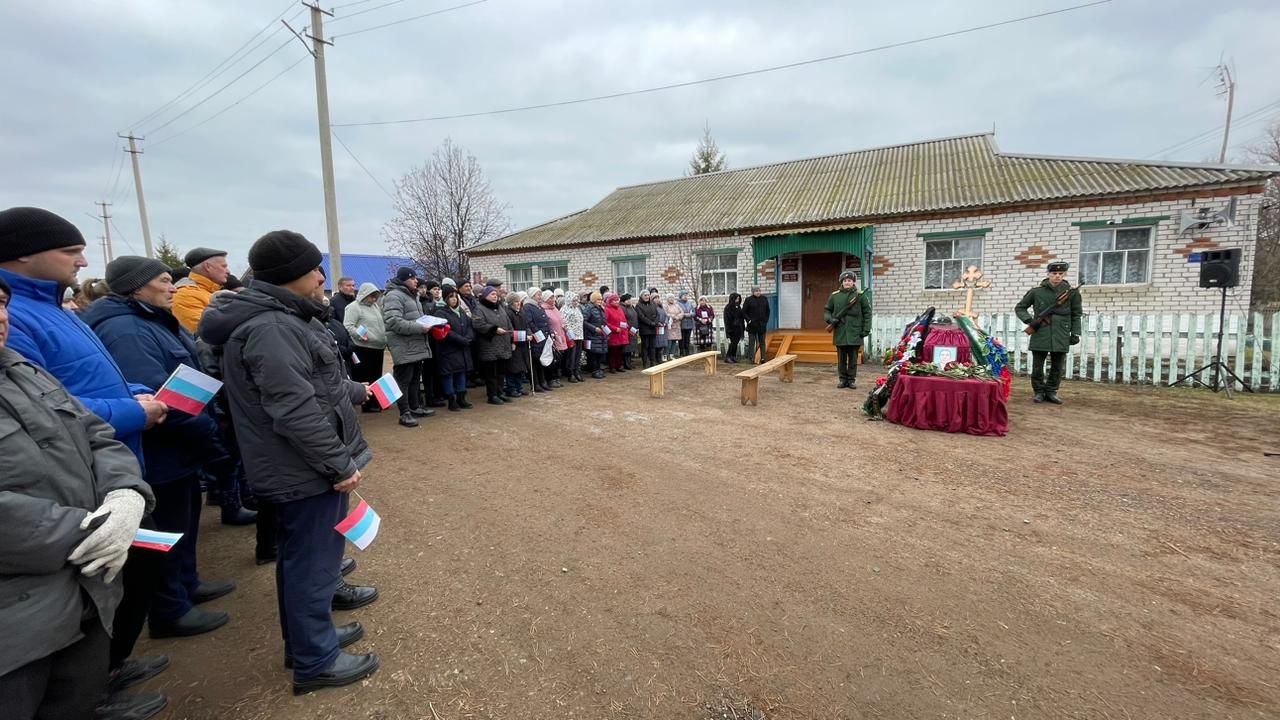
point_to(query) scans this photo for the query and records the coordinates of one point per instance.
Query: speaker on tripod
(1218, 269)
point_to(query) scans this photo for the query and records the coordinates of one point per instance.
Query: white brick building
(915, 215)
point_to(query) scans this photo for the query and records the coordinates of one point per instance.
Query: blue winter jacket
(56, 340)
(148, 344)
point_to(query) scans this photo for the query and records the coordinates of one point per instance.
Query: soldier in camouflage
(1057, 328)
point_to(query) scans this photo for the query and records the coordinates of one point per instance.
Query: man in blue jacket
(40, 254)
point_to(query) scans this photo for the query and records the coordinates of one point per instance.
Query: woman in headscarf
(518, 367)
(675, 316)
(595, 331)
(686, 321)
(493, 341)
(559, 340)
(539, 327)
(704, 319)
(453, 356)
(571, 361)
(647, 316)
(734, 326)
(619, 338)
(363, 321)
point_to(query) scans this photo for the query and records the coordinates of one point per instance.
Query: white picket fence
(1137, 349)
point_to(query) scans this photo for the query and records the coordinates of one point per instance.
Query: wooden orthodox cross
(971, 280)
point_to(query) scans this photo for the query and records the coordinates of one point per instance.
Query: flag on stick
(188, 390)
(361, 526)
(386, 391)
(362, 332)
(155, 540)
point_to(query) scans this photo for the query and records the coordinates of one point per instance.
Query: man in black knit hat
(301, 443)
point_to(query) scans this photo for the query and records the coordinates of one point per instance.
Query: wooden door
(820, 271)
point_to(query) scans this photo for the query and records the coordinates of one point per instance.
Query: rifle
(831, 327)
(1043, 319)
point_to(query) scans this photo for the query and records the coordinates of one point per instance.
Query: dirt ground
(599, 554)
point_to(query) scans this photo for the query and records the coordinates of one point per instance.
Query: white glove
(108, 547)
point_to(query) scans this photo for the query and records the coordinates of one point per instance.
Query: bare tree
(442, 208)
(1266, 266)
(707, 157)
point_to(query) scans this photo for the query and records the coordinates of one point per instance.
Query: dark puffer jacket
(593, 321)
(294, 410)
(488, 317)
(148, 344)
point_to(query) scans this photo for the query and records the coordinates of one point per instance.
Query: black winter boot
(453, 404)
(462, 401)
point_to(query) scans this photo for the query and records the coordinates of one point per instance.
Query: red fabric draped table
(957, 406)
(950, 336)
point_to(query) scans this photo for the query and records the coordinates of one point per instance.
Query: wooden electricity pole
(134, 152)
(106, 233)
(326, 142)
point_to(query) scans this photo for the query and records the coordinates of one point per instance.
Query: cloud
(1124, 79)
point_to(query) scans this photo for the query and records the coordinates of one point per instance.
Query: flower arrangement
(954, 370)
(907, 350)
(990, 352)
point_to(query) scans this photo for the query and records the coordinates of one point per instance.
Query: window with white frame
(945, 259)
(1115, 256)
(520, 278)
(628, 276)
(719, 274)
(557, 276)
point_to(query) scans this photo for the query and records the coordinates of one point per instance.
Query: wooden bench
(751, 377)
(656, 372)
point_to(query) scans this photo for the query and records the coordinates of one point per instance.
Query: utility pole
(137, 186)
(326, 143)
(1229, 84)
(106, 233)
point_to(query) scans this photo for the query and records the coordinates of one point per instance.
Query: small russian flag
(362, 332)
(520, 336)
(155, 540)
(188, 390)
(361, 526)
(386, 391)
(539, 336)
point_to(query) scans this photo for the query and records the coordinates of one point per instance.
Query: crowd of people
(92, 456)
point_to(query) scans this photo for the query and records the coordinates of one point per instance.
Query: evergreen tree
(167, 253)
(707, 158)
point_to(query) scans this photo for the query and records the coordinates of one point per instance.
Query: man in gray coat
(71, 499)
(296, 425)
(408, 343)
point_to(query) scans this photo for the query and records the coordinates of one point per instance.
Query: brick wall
(1020, 244)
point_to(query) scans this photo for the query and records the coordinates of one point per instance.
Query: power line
(434, 12)
(362, 167)
(215, 94)
(350, 4)
(255, 91)
(114, 186)
(730, 76)
(1201, 137)
(208, 77)
(122, 236)
(362, 12)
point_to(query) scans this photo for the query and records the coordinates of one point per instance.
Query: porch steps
(809, 346)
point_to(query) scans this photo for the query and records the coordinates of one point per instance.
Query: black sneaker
(1039, 398)
(1052, 398)
(345, 670)
(237, 516)
(134, 671)
(123, 706)
(406, 419)
(422, 412)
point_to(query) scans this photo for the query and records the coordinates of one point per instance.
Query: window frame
(557, 281)
(965, 261)
(526, 281)
(1114, 231)
(622, 283)
(706, 276)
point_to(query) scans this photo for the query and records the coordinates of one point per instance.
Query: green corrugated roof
(935, 175)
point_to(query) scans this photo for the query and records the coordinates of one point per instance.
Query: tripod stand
(1219, 367)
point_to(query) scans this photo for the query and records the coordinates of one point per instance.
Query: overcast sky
(1125, 79)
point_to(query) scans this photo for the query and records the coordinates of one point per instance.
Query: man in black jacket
(755, 311)
(301, 442)
(345, 296)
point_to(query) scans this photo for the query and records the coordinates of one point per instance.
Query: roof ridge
(1157, 163)
(552, 221)
(720, 173)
